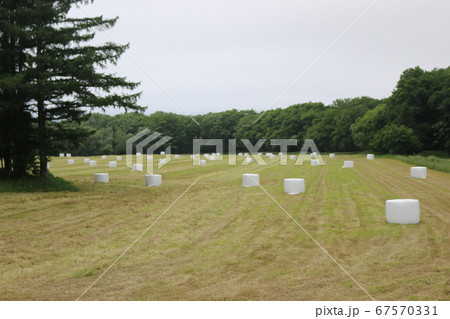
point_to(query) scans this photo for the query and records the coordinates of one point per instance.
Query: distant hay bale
(163, 153)
(86, 160)
(348, 164)
(153, 180)
(212, 158)
(68, 155)
(112, 164)
(315, 162)
(61, 154)
(48, 165)
(332, 155)
(71, 162)
(272, 156)
(250, 180)
(419, 172)
(104, 156)
(101, 177)
(293, 157)
(118, 158)
(370, 157)
(92, 163)
(240, 154)
(249, 160)
(403, 211)
(137, 167)
(202, 162)
(138, 154)
(177, 156)
(293, 186)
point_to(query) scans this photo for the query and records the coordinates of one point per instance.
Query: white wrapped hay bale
(202, 162)
(246, 154)
(294, 186)
(419, 172)
(260, 154)
(61, 154)
(269, 154)
(104, 156)
(249, 159)
(312, 155)
(163, 153)
(112, 164)
(292, 157)
(137, 167)
(48, 165)
(68, 155)
(314, 162)
(86, 161)
(332, 155)
(403, 211)
(212, 158)
(370, 157)
(250, 180)
(92, 163)
(177, 156)
(149, 157)
(348, 164)
(240, 154)
(272, 156)
(138, 154)
(280, 153)
(101, 177)
(153, 180)
(118, 158)
(71, 162)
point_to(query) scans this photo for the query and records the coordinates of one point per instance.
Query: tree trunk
(43, 171)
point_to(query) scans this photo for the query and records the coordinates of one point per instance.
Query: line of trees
(50, 75)
(416, 117)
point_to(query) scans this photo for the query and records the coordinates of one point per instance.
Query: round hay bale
(61, 154)
(314, 162)
(332, 155)
(104, 156)
(348, 164)
(250, 180)
(118, 158)
(71, 162)
(202, 162)
(92, 163)
(249, 159)
(419, 172)
(177, 156)
(87, 160)
(293, 186)
(370, 157)
(153, 180)
(112, 164)
(403, 211)
(293, 157)
(137, 167)
(101, 177)
(68, 155)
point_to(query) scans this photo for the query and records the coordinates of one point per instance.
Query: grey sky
(217, 55)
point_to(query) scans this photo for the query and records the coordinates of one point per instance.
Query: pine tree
(64, 73)
(61, 73)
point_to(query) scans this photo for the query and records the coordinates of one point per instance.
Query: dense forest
(415, 118)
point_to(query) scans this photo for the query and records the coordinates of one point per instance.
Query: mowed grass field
(222, 241)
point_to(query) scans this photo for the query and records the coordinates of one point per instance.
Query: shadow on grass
(48, 183)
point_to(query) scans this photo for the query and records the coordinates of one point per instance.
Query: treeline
(415, 118)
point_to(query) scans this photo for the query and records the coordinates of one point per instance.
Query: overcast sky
(217, 55)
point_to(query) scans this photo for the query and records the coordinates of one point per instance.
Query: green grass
(431, 162)
(49, 183)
